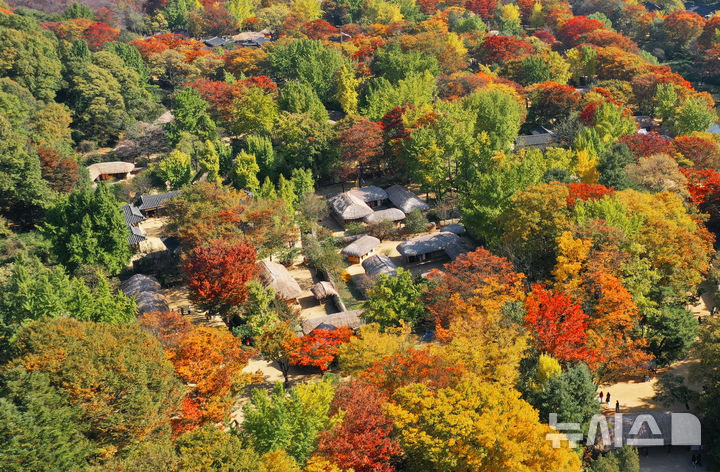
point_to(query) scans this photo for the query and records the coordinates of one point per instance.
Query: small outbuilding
(431, 246)
(373, 196)
(360, 249)
(146, 291)
(405, 200)
(394, 215)
(324, 289)
(379, 264)
(109, 170)
(279, 279)
(347, 208)
(456, 228)
(345, 319)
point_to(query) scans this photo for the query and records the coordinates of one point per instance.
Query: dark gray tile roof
(136, 235)
(132, 214)
(150, 202)
(215, 42)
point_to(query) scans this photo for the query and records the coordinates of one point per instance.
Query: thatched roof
(370, 193)
(428, 243)
(140, 283)
(103, 168)
(277, 276)
(349, 207)
(350, 319)
(405, 199)
(361, 246)
(456, 228)
(379, 264)
(145, 289)
(324, 289)
(151, 301)
(391, 214)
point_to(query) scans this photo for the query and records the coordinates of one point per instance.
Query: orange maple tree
(319, 348)
(559, 326)
(413, 366)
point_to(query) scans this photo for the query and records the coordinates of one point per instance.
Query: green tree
(499, 114)
(176, 168)
(625, 459)
(286, 192)
(395, 298)
(78, 10)
(31, 292)
(254, 112)
(381, 96)
(131, 57)
(395, 64)
(23, 192)
(136, 98)
(178, 14)
(301, 142)
(308, 61)
(244, 175)
(29, 58)
(261, 147)
(346, 85)
(288, 420)
(671, 332)
(277, 344)
(117, 376)
(693, 115)
(87, 227)
(171, 67)
(40, 429)
(209, 161)
(666, 101)
(570, 394)
(299, 97)
(613, 164)
(303, 183)
(241, 9)
(190, 111)
(210, 449)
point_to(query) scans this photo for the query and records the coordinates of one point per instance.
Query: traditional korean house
(360, 249)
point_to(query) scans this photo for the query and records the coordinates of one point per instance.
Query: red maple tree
(580, 191)
(704, 153)
(61, 173)
(98, 34)
(413, 366)
(219, 271)
(319, 348)
(642, 145)
(559, 326)
(499, 49)
(168, 327)
(486, 9)
(575, 27)
(319, 29)
(362, 441)
(361, 147)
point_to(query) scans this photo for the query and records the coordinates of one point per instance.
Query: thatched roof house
(323, 290)
(146, 291)
(379, 264)
(456, 228)
(391, 214)
(430, 246)
(405, 200)
(350, 319)
(347, 207)
(360, 248)
(279, 279)
(106, 170)
(371, 195)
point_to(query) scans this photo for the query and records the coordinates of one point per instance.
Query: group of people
(607, 401)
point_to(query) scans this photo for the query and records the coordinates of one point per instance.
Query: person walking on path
(607, 399)
(600, 397)
(617, 406)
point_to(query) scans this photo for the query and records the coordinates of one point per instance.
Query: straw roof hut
(391, 214)
(360, 248)
(323, 290)
(456, 228)
(430, 246)
(146, 291)
(348, 207)
(371, 194)
(405, 199)
(350, 319)
(379, 264)
(106, 169)
(279, 279)
(140, 283)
